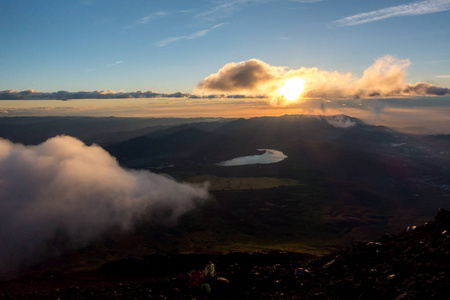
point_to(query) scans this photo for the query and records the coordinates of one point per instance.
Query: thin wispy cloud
(186, 11)
(443, 76)
(222, 9)
(219, 9)
(153, 16)
(114, 64)
(439, 61)
(146, 19)
(195, 35)
(411, 9)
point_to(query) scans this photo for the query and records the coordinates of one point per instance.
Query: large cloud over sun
(385, 77)
(63, 187)
(248, 77)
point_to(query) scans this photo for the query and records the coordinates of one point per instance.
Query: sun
(292, 88)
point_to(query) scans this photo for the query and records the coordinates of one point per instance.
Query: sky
(173, 45)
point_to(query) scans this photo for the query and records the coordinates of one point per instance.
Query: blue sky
(171, 45)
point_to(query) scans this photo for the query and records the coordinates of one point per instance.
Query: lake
(270, 156)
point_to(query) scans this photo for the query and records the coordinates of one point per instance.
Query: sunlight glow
(292, 88)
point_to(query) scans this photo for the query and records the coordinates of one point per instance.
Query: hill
(99, 130)
(343, 181)
(348, 181)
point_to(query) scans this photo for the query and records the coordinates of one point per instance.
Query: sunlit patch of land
(247, 183)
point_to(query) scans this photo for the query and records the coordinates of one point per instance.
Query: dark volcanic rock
(411, 265)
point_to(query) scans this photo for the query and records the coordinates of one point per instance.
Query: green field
(246, 183)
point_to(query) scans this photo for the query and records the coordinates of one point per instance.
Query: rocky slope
(411, 265)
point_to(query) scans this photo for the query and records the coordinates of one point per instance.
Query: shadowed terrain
(343, 181)
(411, 265)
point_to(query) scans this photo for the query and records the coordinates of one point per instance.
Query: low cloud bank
(63, 190)
(385, 77)
(425, 88)
(65, 95)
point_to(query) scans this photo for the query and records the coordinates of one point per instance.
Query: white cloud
(411, 9)
(65, 189)
(443, 76)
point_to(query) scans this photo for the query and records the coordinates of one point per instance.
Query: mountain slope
(411, 265)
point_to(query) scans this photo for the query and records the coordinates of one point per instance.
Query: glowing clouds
(64, 187)
(292, 88)
(385, 77)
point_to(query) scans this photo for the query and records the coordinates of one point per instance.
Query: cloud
(425, 88)
(411, 9)
(249, 77)
(385, 77)
(114, 64)
(192, 36)
(340, 121)
(153, 16)
(439, 61)
(65, 95)
(223, 9)
(146, 19)
(186, 11)
(443, 76)
(219, 9)
(65, 190)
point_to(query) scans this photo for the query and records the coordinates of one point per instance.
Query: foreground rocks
(411, 265)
